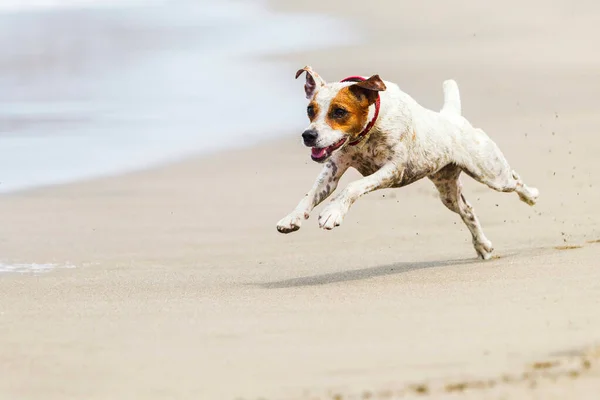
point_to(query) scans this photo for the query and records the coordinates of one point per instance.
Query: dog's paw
(529, 195)
(331, 216)
(290, 223)
(484, 249)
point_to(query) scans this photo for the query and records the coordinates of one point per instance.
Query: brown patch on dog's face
(312, 110)
(348, 111)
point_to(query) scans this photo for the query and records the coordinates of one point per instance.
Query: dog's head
(338, 112)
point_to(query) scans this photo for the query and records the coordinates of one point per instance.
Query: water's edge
(123, 89)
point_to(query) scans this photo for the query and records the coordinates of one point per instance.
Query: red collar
(371, 123)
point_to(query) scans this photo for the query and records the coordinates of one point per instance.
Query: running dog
(371, 125)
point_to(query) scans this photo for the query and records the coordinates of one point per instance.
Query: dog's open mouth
(322, 154)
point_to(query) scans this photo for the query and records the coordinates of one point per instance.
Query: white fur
(327, 135)
(408, 143)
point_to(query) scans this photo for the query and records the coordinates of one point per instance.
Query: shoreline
(125, 89)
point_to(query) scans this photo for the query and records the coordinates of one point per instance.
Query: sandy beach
(183, 289)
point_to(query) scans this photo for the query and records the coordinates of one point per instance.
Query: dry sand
(184, 289)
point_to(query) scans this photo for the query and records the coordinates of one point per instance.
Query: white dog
(393, 141)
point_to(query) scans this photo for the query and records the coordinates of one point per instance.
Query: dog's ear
(369, 88)
(313, 81)
(373, 83)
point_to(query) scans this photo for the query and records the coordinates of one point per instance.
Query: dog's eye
(310, 110)
(339, 113)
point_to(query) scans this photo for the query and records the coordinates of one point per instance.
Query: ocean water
(94, 88)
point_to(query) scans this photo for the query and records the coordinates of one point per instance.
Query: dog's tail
(451, 98)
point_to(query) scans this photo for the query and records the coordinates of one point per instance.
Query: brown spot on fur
(334, 168)
(414, 135)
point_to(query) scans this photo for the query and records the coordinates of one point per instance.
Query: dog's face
(338, 112)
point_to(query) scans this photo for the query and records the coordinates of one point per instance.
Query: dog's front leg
(334, 213)
(325, 184)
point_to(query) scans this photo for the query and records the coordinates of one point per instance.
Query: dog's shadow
(363, 273)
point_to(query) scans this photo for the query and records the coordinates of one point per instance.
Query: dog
(371, 125)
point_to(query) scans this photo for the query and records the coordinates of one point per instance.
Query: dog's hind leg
(447, 182)
(488, 165)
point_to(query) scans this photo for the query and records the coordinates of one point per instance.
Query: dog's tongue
(319, 153)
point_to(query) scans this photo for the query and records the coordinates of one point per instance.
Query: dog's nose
(310, 137)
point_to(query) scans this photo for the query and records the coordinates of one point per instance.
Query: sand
(183, 288)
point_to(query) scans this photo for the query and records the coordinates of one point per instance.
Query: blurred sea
(93, 88)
